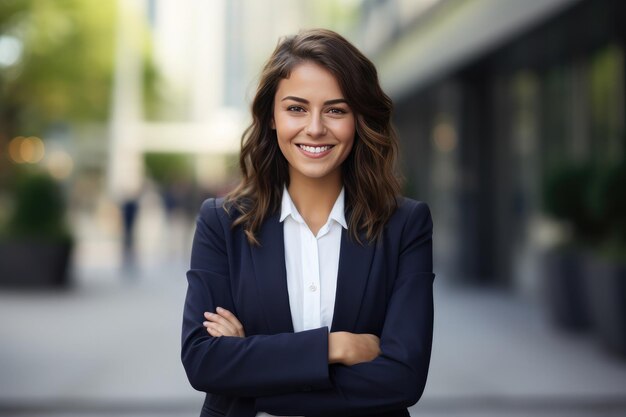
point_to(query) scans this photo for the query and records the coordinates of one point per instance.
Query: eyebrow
(305, 101)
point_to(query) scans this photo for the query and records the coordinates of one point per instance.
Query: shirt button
(312, 287)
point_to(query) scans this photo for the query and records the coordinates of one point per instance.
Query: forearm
(258, 365)
(246, 366)
(373, 387)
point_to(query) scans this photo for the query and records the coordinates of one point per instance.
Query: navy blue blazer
(383, 288)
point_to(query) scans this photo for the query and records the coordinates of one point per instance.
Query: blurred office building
(493, 96)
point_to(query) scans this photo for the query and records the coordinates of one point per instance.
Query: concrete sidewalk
(111, 347)
(112, 341)
(495, 354)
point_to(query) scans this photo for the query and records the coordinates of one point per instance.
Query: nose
(316, 127)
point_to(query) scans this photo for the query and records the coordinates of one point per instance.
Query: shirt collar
(337, 213)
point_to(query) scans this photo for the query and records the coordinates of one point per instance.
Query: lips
(315, 151)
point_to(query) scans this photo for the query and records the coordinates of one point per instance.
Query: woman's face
(314, 125)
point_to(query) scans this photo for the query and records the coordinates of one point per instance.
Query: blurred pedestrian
(310, 286)
(129, 209)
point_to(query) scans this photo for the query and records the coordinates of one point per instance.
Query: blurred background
(118, 118)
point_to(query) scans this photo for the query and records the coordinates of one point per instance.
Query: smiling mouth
(315, 149)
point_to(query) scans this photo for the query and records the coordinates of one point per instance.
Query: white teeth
(315, 149)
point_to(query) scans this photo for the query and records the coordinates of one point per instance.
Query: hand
(351, 348)
(223, 323)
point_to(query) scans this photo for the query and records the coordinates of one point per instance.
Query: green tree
(64, 71)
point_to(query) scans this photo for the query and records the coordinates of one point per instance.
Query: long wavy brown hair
(371, 186)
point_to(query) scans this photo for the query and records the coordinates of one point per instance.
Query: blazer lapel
(354, 265)
(271, 275)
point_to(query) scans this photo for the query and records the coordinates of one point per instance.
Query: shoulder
(412, 215)
(216, 212)
(213, 208)
(412, 209)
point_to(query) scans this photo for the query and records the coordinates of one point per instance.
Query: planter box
(606, 285)
(34, 264)
(564, 288)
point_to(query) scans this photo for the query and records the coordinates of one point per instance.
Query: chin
(317, 175)
(313, 175)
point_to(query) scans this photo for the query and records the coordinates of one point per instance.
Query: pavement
(110, 347)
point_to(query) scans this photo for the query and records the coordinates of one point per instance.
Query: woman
(310, 288)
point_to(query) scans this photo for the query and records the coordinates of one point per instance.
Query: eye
(297, 109)
(336, 110)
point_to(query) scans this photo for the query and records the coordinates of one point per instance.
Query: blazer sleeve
(243, 367)
(396, 378)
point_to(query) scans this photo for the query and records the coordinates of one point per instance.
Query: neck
(314, 198)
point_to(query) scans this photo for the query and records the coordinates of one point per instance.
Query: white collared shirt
(312, 263)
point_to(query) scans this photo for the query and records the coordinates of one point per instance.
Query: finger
(213, 332)
(228, 328)
(219, 327)
(229, 325)
(232, 319)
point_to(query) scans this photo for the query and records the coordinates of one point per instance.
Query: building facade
(490, 97)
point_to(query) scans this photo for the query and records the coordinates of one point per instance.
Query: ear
(273, 123)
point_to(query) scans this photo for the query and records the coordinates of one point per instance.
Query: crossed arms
(310, 372)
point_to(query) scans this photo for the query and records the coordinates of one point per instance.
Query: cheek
(283, 144)
(346, 133)
(284, 141)
(349, 146)
(349, 140)
(286, 125)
